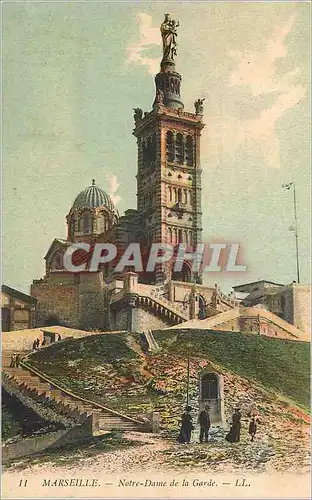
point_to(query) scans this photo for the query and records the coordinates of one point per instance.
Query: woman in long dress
(186, 426)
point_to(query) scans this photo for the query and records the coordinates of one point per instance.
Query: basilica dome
(93, 197)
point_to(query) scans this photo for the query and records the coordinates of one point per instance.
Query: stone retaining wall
(47, 442)
(33, 401)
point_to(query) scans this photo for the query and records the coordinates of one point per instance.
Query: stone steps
(62, 402)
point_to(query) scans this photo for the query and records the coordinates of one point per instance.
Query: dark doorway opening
(209, 384)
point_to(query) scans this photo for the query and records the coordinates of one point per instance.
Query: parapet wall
(50, 441)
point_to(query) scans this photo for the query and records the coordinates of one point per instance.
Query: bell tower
(169, 171)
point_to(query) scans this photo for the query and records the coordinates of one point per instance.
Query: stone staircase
(227, 300)
(163, 307)
(28, 384)
(152, 344)
(274, 319)
(212, 321)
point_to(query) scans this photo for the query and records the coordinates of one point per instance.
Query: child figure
(253, 427)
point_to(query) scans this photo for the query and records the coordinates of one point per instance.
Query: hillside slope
(282, 366)
(113, 370)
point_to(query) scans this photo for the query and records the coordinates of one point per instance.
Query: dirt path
(142, 456)
(154, 452)
(138, 457)
(137, 348)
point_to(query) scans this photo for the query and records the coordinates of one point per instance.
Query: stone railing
(155, 293)
(228, 299)
(170, 306)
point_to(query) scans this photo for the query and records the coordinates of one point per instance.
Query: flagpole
(188, 376)
(296, 232)
(288, 186)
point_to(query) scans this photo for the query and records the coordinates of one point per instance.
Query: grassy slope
(74, 363)
(282, 366)
(104, 366)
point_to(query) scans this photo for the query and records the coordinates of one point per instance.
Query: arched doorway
(209, 383)
(52, 321)
(183, 275)
(211, 393)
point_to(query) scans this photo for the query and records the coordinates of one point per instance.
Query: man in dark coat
(186, 426)
(204, 422)
(236, 425)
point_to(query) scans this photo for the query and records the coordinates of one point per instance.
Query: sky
(74, 71)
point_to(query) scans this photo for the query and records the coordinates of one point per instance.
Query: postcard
(156, 286)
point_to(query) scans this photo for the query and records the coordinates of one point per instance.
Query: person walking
(204, 422)
(17, 360)
(186, 426)
(253, 427)
(13, 360)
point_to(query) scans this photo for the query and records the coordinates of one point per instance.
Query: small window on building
(86, 223)
(170, 146)
(179, 149)
(72, 227)
(189, 151)
(185, 196)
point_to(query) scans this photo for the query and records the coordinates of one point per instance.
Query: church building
(168, 211)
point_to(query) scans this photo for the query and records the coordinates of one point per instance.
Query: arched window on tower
(189, 151)
(174, 236)
(85, 223)
(71, 227)
(170, 193)
(151, 150)
(105, 223)
(179, 195)
(180, 236)
(179, 149)
(186, 237)
(170, 146)
(189, 238)
(185, 196)
(57, 261)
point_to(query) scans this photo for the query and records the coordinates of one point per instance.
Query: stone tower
(169, 172)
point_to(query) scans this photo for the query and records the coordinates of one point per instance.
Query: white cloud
(258, 79)
(149, 38)
(113, 186)
(259, 73)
